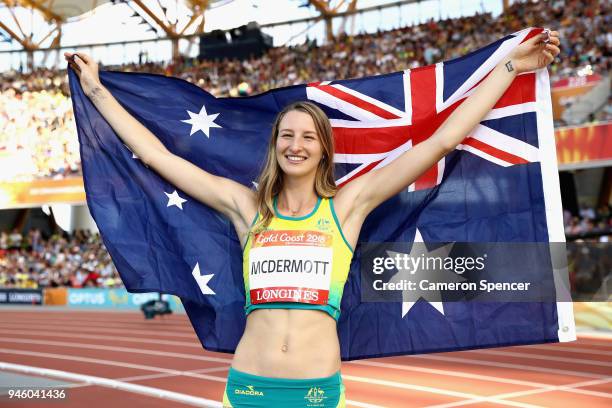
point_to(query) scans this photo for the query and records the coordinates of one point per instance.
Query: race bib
(290, 266)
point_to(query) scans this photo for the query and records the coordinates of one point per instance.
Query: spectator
(56, 261)
(37, 129)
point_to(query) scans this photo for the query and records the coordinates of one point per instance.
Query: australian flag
(499, 185)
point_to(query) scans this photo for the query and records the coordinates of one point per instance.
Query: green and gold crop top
(298, 262)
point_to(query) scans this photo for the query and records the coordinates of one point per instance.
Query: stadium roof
(17, 22)
(62, 9)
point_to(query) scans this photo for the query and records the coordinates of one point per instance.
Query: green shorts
(248, 390)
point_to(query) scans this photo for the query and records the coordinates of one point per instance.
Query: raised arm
(357, 199)
(233, 199)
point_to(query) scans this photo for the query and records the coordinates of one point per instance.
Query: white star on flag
(202, 280)
(175, 199)
(406, 306)
(201, 121)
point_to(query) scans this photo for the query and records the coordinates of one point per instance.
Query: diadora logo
(315, 395)
(250, 391)
(323, 224)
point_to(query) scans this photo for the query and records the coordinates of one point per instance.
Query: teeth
(296, 158)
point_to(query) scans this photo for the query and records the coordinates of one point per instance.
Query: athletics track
(117, 359)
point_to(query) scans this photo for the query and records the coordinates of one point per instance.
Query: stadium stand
(37, 124)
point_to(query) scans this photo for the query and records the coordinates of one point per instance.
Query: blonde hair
(270, 182)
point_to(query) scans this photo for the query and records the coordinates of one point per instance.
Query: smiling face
(298, 145)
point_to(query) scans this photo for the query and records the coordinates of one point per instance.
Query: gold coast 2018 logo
(251, 391)
(316, 397)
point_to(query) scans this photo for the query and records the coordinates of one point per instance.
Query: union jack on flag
(389, 114)
(499, 185)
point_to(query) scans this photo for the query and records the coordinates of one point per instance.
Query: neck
(297, 197)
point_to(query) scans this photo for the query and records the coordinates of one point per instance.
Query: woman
(299, 223)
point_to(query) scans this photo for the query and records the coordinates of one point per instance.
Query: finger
(554, 39)
(76, 60)
(549, 57)
(553, 49)
(84, 57)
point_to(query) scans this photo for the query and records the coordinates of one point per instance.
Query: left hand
(535, 53)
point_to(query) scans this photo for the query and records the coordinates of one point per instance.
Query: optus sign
(115, 299)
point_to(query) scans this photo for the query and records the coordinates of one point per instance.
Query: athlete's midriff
(288, 343)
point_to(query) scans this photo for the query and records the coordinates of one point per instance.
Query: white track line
(163, 375)
(125, 316)
(570, 388)
(433, 390)
(460, 374)
(115, 348)
(184, 329)
(39, 333)
(114, 384)
(112, 363)
(574, 349)
(542, 357)
(508, 365)
(80, 329)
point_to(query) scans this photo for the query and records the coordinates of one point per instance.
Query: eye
(309, 137)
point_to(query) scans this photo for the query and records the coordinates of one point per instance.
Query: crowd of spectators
(589, 223)
(37, 130)
(67, 260)
(37, 135)
(589, 252)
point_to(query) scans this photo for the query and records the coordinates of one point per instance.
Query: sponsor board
(116, 299)
(18, 194)
(584, 146)
(21, 296)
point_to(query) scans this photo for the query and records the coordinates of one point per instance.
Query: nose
(296, 145)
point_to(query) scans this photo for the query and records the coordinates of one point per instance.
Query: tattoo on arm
(509, 66)
(96, 94)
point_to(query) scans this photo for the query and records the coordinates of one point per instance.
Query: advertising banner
(21, 296)
(116, 299)
(584, 146)
(56, 296)
(566, 90)
(38, 192)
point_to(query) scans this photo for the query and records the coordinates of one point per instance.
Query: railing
(365, 20)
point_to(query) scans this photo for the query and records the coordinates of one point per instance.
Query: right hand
(86, 69)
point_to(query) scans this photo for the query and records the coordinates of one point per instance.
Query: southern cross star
(202, 280)
(175, 199)
(201, 121)
(440, 275)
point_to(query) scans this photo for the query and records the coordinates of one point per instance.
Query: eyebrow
(291, 130)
